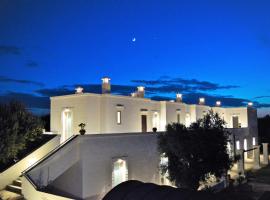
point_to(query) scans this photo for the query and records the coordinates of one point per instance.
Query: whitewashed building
(106, 113)
(119, 143)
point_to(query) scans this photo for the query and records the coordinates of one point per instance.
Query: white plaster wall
(131, 113)
(171, 112)
(85, 109)
(241, 112)
(83, 167)
(15, 171)
(140, 151)
(99, 113)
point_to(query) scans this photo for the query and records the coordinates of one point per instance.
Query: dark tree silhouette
(196, 152)
(264, 129)
(17, 128)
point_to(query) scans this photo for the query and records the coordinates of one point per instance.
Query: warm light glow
(250, 104)
(140, 88)
(106, 80)
(245, 144)
(188, 120)
(218, 103)
(66, 124)
(238, 145)
(229, 148)
(133, 94)
(202, 100)
(253, 141)
(119, 117)
(155, 120)
(32, 161)
(120, 172)
(79, 90)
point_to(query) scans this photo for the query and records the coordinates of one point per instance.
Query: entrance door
(144, 123)
(67, 124)
(235, 122)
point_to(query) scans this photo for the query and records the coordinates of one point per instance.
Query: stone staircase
(12, 191)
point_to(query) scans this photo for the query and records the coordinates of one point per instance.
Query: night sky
(214, 49)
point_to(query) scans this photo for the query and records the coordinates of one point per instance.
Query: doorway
(235, 122)
(144, 123)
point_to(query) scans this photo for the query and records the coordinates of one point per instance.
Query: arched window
(155, 120)
(67, 122)
(119, 171)
(188, 120)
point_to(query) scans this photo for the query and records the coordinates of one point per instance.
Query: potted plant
(82, 130)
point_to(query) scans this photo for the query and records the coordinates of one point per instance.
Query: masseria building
(106, 113)
(119, 143)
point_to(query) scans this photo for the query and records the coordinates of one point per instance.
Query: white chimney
(201, 101)
(140, 92)
(106, 85)
(178, 97)
(218, 103)
(79, 90)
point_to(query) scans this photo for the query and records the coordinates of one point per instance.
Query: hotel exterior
(106, 113)
(120, 142)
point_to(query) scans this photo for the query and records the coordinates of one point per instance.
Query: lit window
(253, 141)
(188, 120)
(245, 144)
(164, 177)
(119, 119)
(238, 145)
(155, 120)
(119, 172)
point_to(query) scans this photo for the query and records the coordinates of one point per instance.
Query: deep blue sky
(218, 49)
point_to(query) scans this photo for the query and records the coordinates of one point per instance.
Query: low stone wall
(13, 172)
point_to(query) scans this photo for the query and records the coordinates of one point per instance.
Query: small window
(238, 145)
(178, 118)
(119, 117)
(245, 144)
(253, 141)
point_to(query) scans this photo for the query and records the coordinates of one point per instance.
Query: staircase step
(7, 195)
(14, 188)
(17, 182)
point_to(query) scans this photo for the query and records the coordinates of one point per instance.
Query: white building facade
(106, 113)
(119, 144)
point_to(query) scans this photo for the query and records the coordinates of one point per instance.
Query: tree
(264, 128)
(195, 153)
(17, 127)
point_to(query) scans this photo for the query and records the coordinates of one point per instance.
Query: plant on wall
(82, 130)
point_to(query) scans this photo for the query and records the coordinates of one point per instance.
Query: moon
(134, 39)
